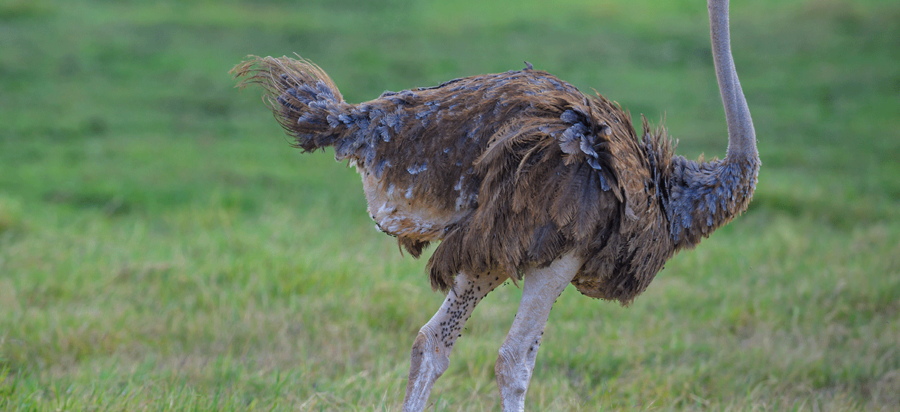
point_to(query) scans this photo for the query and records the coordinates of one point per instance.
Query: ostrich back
(508, 170)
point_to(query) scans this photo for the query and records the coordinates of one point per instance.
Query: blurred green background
(163, 248)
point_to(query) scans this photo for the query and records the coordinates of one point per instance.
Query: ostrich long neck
(741, 136)
(703, 196)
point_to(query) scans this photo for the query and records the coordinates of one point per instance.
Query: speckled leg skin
(517, 355)
(431, 350)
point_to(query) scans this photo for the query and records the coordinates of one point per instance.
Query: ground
(161, 246)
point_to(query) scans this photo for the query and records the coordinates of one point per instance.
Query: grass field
(163, 248)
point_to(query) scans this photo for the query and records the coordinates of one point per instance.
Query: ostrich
(522, 177)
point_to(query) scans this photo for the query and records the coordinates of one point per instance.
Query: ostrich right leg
(519, 351)
(431, 350)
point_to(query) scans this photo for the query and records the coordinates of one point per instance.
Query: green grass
(162, 248)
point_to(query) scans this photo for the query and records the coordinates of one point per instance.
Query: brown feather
(509, 171)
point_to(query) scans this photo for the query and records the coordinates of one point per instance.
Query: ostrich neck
(741, 135)
(703, 196)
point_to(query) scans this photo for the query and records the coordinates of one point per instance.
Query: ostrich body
(523, 177)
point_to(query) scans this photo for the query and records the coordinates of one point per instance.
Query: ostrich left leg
(519, 351)
(431, 351)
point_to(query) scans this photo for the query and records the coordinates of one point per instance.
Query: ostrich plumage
(518, 175)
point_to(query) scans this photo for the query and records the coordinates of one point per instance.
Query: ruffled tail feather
(304, 100)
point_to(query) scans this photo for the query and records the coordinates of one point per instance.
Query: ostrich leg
(431, 349)
(517, 355)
